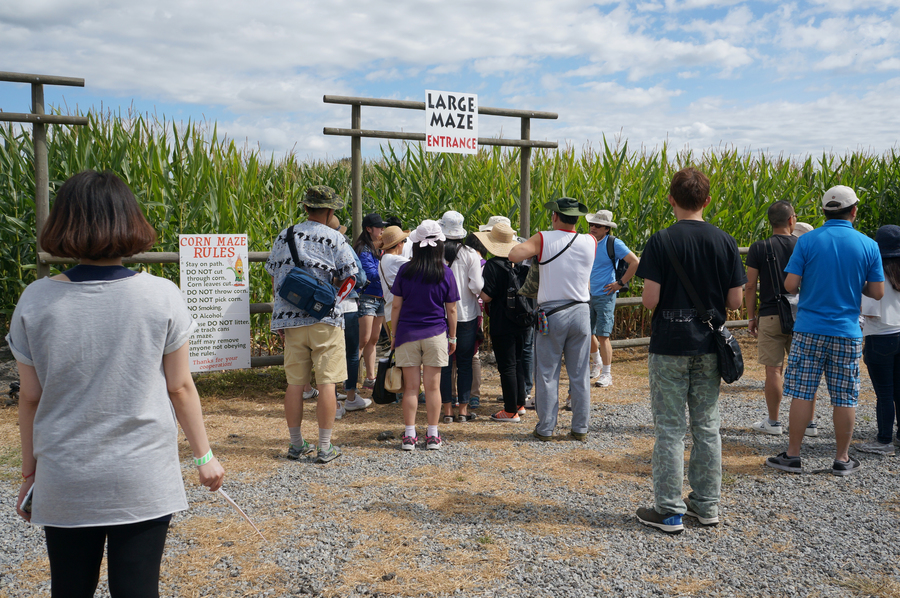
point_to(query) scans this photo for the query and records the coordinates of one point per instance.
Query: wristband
(25, 477)
(452, 340)
(204, 459)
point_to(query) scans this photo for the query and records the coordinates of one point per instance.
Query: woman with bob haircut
(102, 353)
(424, 322)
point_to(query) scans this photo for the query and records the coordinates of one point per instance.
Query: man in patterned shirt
(310, 343)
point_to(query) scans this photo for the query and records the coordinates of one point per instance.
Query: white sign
(451, 122)
(216, 286)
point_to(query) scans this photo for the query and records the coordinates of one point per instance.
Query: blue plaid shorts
(812, 354)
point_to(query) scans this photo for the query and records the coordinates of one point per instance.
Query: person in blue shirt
(604, 289)
(831, 267)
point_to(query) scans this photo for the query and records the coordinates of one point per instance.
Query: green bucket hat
(322, 196)
(567, 206)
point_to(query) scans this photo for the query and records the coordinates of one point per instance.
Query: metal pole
(525, 183)
(356, 173)
(41, 175)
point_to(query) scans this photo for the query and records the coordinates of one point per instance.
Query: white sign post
(216, 286)
(451, 122)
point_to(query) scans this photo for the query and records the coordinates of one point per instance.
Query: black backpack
(518, 307)
(620, 266)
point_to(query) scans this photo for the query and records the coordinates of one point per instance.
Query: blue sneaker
(670, 524)
(474, 402)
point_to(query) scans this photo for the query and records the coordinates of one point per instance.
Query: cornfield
(189, 180)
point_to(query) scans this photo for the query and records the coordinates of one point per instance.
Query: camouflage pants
(678, 382)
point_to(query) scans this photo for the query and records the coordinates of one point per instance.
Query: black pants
(134, 555)
(508, 350)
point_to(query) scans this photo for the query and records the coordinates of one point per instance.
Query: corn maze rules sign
(216, 286)
(451, 122)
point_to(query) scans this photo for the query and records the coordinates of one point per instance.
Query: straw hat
(391, 236)
(499, 240)
(334, 223)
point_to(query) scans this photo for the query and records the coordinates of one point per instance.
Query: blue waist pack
(303, 290)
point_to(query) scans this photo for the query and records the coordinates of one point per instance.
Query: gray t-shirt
(105, 434)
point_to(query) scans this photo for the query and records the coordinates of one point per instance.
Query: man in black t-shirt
(766, 259)
(684, 373)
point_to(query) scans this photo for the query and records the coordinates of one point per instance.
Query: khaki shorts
(320, 346)
(772, 344)
(428, 351)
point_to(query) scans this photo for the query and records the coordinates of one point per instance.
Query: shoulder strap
(574, 236)
(611, 248)
(292, 245)
(774, 267)
(705, 316)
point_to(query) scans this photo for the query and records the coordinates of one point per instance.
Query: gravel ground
(496, 513)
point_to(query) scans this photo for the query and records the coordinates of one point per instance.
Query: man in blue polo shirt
(604, 289)
(831, 267)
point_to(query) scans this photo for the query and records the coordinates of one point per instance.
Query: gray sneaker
(812, 430)
(842, 468)
(305, 450)
(785, 463)
(331, 454)
(876, 448)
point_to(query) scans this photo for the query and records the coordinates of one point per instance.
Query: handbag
(380, 394)
(533, 278)
(393, 380)
(303, 290)
(728, 351)
(786, 302)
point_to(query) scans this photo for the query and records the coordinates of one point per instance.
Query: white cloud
(604, 66)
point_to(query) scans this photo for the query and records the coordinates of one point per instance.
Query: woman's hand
(211, 474)
(23, 490)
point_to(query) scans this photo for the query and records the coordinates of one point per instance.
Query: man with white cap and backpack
(605, 287)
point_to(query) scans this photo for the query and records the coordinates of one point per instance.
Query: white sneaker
(357, 403)
(311, 394)
(596, 370)
(764, 427)
(811, 430)
(340, 396)
(529, 402)
(340, 411)
(605, 381)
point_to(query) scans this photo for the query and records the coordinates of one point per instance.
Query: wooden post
(356, 173)
(525, 183)
(41, 174)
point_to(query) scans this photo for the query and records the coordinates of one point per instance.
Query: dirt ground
(244, 418)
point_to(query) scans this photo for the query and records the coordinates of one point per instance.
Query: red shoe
(503, 416)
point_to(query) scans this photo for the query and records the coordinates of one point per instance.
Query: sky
(788, 78)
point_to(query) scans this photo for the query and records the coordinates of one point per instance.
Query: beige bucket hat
(391, 236)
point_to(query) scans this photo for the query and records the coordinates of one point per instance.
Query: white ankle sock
(296, 437)
(605, 369)
(411, 431)
(595, 358)
(324, 439)
(432, 431)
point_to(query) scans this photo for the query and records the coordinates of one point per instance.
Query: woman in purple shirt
(424, 322)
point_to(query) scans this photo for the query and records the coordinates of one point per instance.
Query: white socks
(296, 437)
(606, 370)
(595, 358)
(411, 431)
(324, 439)
(432, 431)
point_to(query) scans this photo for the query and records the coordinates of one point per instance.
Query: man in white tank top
(565, 259)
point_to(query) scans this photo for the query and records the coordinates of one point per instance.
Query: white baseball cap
(838, 198)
